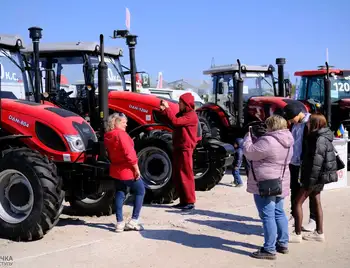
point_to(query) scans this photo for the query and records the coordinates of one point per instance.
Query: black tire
(211, 120)
(209, 179)
(157, 171)
(43, 185)
(101, 204)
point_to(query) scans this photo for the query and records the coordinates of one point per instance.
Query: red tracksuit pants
(183, 176)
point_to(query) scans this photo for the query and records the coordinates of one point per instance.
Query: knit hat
(291, 110)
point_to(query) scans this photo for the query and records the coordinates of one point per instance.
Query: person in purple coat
(269, 157)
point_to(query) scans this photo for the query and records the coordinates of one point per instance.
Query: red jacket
(186, 127)
(121, 153)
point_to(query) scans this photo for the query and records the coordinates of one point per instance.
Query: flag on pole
(127, 19)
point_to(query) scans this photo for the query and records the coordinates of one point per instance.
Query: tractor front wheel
(31, 195)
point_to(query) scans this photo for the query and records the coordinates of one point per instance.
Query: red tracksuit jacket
(186, 133)
(121, 152)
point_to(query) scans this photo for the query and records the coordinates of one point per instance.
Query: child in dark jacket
(237, 163)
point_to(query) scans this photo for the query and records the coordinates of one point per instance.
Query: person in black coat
(319, 166)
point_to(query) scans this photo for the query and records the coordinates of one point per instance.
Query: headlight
(75, 142)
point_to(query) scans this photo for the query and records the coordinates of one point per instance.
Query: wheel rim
(155, 167)
(200, 172)
(93, 199)
(16, 196)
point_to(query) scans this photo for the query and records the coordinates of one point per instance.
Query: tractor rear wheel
(99, 204)
(210, 122)
(31, 195)
(207, 178)
(154, 151)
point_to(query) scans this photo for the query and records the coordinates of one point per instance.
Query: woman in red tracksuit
(124, 169)
(185, 138)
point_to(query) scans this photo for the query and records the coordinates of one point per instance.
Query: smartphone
(251, 131)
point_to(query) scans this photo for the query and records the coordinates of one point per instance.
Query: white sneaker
(310, 227)
(295, 238)
(133, 225)
(120, 226)
(291, 221)
(314, 236)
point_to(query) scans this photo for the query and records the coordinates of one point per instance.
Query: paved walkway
(222, 231)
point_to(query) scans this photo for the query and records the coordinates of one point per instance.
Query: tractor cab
(73, 68)
(14, 81)
(311, 89)
(258, 81)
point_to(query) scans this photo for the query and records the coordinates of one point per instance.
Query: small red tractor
(326, 90)
(78, 62)
(242, 95)
(47, 153)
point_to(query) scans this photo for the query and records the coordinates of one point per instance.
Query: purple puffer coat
(268, 154)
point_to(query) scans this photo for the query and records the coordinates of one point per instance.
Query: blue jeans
(275, 222)
(138, 188)
(236, 176)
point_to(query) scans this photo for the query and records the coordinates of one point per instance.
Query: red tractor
(326, 90)
(242, 95)
(47, 153)
(152, 135)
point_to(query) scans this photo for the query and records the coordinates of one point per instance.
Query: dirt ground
(221, 232)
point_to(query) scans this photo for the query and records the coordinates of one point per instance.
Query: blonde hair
(113, 119)
(276, 122)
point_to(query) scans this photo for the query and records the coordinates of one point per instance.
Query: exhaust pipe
(239, 96)
(327, 97)
(280, 63)
(35, 34)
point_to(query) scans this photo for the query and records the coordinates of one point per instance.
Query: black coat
(319, 165)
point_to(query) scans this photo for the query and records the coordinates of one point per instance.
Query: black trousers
(294, 189)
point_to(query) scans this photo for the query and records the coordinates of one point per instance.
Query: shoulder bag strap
(284, 168)
(285, 163)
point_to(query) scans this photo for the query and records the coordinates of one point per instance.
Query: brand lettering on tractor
(138, 108)
(18, 121)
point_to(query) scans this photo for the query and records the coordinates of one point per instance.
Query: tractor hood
(142, 98)
(53, 131)
(344, 103)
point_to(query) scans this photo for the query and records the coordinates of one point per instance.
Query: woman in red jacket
(124, 169)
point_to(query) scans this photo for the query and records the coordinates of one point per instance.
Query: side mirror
(220, 89)
(288, 87)
(89, 74)
(145, 79)
(50, 82)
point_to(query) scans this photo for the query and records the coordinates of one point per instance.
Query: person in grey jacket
(319, 167)
(269, 158)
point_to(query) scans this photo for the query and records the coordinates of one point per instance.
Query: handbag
(271, 187)
(340, 163)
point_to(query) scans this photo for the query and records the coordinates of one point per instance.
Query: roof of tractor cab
(76, 47)
(230, 68)
(11, 41)
(319, 72)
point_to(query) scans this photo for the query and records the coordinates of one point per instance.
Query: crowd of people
(293, 157)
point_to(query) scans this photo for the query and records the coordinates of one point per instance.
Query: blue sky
(180, 37)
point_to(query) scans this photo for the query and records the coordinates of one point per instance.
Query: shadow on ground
(231, 226)
(215, 214)
(75, 221)
(198, 240)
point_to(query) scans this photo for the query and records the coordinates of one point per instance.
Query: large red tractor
(327, 90)
(242, 95)
(47, 153)
(152, 135)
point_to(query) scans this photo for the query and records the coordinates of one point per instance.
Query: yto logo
(18, 121)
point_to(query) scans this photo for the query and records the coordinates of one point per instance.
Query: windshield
(13, 78)
(116, 80)
(255, 84)
(312, 87)
(70, 73)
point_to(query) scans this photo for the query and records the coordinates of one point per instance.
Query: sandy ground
(221, 232)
